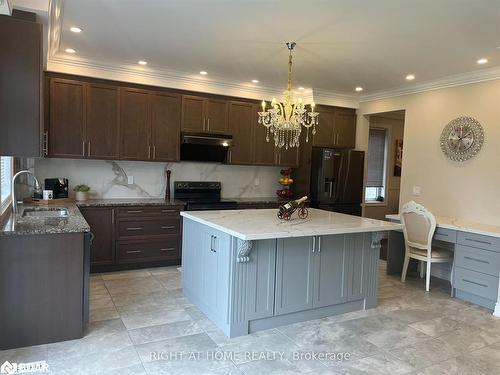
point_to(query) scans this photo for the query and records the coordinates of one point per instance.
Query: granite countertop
(129, 202)
(264, 224)
(19, 225)
(459, 225)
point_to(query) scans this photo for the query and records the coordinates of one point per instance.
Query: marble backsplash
(110, 179)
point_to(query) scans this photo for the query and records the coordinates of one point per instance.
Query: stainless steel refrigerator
(337, 180)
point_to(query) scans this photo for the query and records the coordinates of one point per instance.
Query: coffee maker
(59, 187)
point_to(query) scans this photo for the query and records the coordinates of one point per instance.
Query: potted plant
(82, 192)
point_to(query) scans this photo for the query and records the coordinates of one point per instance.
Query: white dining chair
(418, 228)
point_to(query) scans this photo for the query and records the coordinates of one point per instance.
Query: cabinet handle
(154, 152)
(475, 283)
(133, 251)
(113, 216)
(214, 249)
(319, 244)
(134, 228)
(168, 249)
(204, 123)
(314, 244)
(208, 124)
(83, 148)
(149, 152)
(211, 243)
(230, 155)
(168, 227)
(477, 260)
(478, 241)
(167, 211)
(134, 211)
(89, 148)
(45, 143)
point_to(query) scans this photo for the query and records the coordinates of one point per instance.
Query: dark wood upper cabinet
(264, 152)
(166, 126)
(102, 122)
(20, 87)
(204, 115)
(324, 130)
(288, 158)
(101, 222)
(216, 116)
(135, 128)
(242, 117)
(67, 119)
(344, 126)
(193, 114)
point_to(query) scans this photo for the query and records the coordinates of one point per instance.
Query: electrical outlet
(130, 180)
(256, 181)
(417, 190)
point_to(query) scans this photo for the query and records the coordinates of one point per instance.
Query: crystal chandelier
(284, 120)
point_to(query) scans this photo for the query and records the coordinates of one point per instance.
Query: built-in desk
(476, 268)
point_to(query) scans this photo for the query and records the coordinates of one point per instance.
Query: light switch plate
(417, 190)
(130, 180)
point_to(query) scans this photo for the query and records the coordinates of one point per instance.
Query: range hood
(205, 147)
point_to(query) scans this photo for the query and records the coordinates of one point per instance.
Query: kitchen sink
(46, 212)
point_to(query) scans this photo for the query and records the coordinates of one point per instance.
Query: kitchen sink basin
(46, 212)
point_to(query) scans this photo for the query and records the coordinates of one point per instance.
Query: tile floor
(137, 313)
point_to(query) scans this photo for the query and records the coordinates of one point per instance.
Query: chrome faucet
(14, 201)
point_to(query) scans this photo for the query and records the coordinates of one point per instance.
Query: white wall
(468, 190)
(109, 179)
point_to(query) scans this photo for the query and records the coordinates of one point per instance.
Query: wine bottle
(290, 207)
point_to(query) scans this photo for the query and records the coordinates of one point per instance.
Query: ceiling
(340, 44)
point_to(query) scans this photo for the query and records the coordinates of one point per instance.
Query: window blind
(376, 158)
(5, 177)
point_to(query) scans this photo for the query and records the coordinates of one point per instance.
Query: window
(377, 161)
(5, 179)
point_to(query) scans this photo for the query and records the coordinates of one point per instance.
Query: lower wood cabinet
(133, 236)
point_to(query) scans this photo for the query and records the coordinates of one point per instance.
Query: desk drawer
(140, 211)
(145, 227)
(147, 251)
(479, 241)
(445, 235)
(476, 283)
(479, 260)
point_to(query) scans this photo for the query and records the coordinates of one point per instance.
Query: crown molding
(445, 82)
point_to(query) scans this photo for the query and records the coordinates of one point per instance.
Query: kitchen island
(248, 271)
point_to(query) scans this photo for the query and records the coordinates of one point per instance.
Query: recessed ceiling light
(203, 73)
(75, 29)
(70, 50)
(142, 62)
(358, 89)
(301, 88)
(482, 60)
(255, 81)
(410, 77)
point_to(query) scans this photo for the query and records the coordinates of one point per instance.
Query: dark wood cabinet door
(193, 114)
(324, 130)
(241, 125)
(101, 221)
(20, 87)
(135, 127)
(288, 158)
(216, 116)
(165, 126)
(67, 118)
(344, 129)
(102, 126)
(264, 152)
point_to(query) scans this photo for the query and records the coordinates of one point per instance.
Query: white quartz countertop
(264, 224)
(460, 225)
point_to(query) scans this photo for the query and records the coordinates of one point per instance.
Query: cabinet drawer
(482, 285)
(146, 251)
(145, 227)
(445, 235)
(478, 260)
(140, 211)
(478, 240)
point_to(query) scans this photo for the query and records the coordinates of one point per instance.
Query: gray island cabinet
(249, 271)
